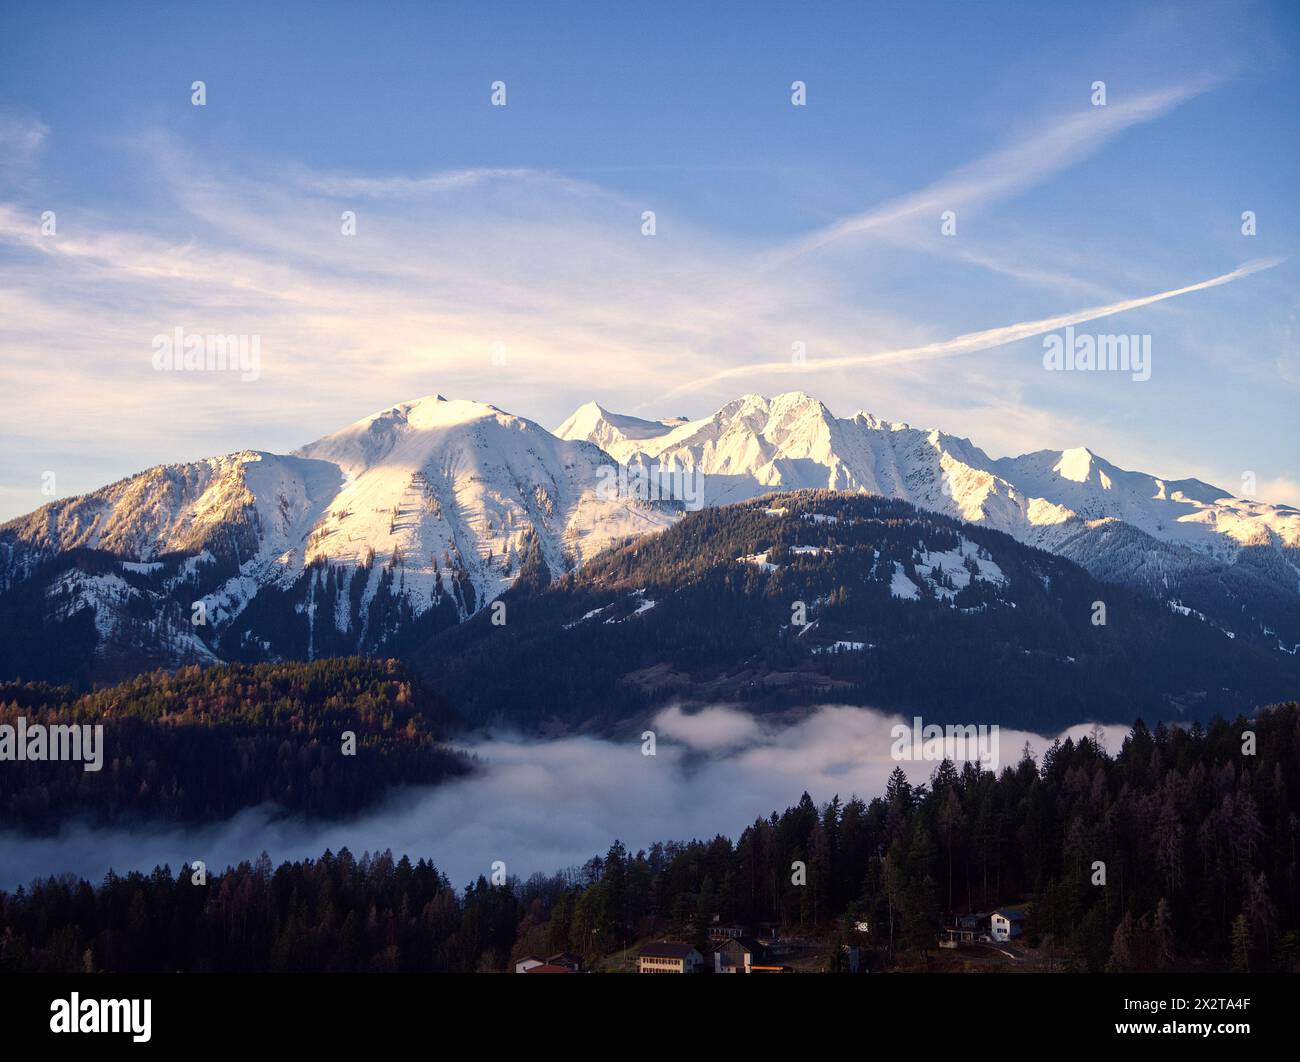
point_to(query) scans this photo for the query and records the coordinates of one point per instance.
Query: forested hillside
(818, 597)
(1198, 840)
(202, 743)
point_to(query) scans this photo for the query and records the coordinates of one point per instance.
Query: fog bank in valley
(547, 805)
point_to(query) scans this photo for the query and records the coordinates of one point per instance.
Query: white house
(668, 956)
(1007, 923)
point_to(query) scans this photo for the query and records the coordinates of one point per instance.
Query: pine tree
(1123, 947)
(1241, 944)
(1164, 934)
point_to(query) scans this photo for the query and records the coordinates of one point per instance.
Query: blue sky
(518, 228)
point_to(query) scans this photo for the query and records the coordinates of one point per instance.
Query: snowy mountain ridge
(420, 514)
(1236, 558)
(792, 441)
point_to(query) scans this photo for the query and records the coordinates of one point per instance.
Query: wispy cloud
(436, 275)
(1002, 173)
(21, 139)
(445, 266)
(403, 187)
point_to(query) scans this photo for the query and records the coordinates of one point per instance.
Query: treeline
(1195, 830)
(1196, 844)
(336, 913)
(200, 744)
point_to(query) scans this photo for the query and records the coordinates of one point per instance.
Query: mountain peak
(792, 397)
(1076, 464)
(583, 421)
(434, 411)
(592, 422)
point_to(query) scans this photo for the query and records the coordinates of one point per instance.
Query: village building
(966, 929)
(564, 962)
(669, 956)
(737, 955)
(1007, 923)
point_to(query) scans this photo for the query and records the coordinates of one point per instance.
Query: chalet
(737, 955)
(669, 956)
(527, 963)
(725, 932)
(571, 962)
(1007, 923)
(966, 929)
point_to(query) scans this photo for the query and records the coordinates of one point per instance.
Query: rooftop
(667, 949)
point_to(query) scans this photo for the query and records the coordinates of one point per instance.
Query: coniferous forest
(1196, 828)
(200, 744)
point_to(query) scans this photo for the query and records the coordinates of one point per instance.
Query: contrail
(973, 341)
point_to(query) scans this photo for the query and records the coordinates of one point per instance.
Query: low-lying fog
(548, 805)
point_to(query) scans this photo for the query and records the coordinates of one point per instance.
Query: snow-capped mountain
(437, 479)
(420, 511)
(1177, 539)
(415, 517)
(792, 441)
